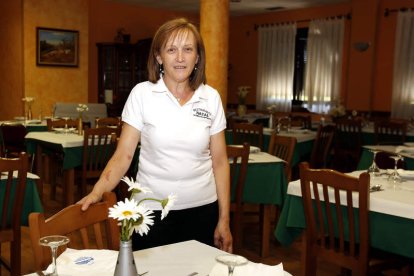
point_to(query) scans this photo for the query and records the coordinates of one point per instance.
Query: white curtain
(403, 82)
(324, 64)
(276, 66)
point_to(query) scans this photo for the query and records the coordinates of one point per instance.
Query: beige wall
(49, 84)
(11, 56)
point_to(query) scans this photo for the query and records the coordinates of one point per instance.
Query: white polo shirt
(175, 154)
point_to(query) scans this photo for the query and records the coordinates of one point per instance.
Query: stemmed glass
(231, 261)
(395, 176)
(374, 170)
(53, 242)
(66, 124)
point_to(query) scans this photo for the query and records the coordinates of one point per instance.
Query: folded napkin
(90, 262)
(249, 269)
(406, 174)
(404, 149)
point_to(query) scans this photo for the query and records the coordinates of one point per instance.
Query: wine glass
(231, 261)
(66, 124)
(374, 170)
(395, 177)
(53, 242)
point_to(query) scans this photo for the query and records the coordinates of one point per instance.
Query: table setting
(179, 259)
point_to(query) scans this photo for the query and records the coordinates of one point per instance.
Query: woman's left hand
(223, 238)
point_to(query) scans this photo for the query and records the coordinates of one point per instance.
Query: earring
(195, 67)
(161, 70)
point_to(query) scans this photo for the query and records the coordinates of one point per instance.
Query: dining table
(69, 145)
(31, 201)
(406, 151)
(304, 142)
(188, 258)
(391, 214)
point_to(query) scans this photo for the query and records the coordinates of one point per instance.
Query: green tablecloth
(369, 139)
(265, 183)
(302, 150)
(72, 157)
(31, 202)
(389, 233)
(367, 156)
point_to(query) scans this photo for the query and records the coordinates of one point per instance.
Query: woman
(180, 123)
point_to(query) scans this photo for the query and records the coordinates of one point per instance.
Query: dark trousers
(196, 223)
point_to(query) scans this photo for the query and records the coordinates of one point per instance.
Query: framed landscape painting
(57, 47)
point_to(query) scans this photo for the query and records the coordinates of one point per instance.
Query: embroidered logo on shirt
(202, 113)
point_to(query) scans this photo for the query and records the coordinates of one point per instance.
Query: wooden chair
(111, 122)
(322, 146)
(332, 229)
(83, 226)
(12, 206)
(337, 227)
(239, 157)
(304, 121)
(107, 121)
(99, 144)
(283, 147)
(13, 142)
(388, 132)
(248, 133)
(347, 144)
(61, 123)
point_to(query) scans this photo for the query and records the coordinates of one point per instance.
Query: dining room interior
(327, 82)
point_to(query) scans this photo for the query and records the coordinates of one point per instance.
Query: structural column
(214, 28)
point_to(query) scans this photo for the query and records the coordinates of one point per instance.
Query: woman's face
(179, 57)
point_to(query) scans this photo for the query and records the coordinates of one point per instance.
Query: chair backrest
(387, 132)
(61, 123)
(112, 122)
(301, 120)
(322, 146)
(238, 158)
(86, 227)
(283, 147)
(13, 189)
(336, 228)
(248, 133)
(99, 144)
(12, 137)
(347, 144)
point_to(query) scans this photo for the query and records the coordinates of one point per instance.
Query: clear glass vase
(125, 264)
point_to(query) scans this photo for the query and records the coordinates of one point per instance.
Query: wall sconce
(361, 46)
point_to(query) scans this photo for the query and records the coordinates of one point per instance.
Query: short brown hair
(161, 38)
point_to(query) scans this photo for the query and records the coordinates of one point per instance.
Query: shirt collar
(199, 94)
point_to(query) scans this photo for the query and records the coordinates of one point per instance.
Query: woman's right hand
(89, 199)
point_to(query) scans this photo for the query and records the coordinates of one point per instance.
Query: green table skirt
(265, 183)
(31, 201)
(367, 156)
(389, 233)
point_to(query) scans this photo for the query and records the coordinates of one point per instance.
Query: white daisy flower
(167, 204)
(124, 210)
(135, 186)
(141, 226)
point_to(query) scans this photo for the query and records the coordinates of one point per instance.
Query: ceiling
(237, 7)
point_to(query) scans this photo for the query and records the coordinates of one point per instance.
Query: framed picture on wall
(57, 47)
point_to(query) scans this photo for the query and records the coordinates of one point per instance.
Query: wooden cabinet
(120, 67)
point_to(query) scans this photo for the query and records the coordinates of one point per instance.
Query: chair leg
(307, 258)
(15, 257)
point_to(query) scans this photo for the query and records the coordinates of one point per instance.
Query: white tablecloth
(66, 140)
(396, 201)
(179, 259)
(301, 135)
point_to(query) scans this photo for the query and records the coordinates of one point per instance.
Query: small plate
(409, 144)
